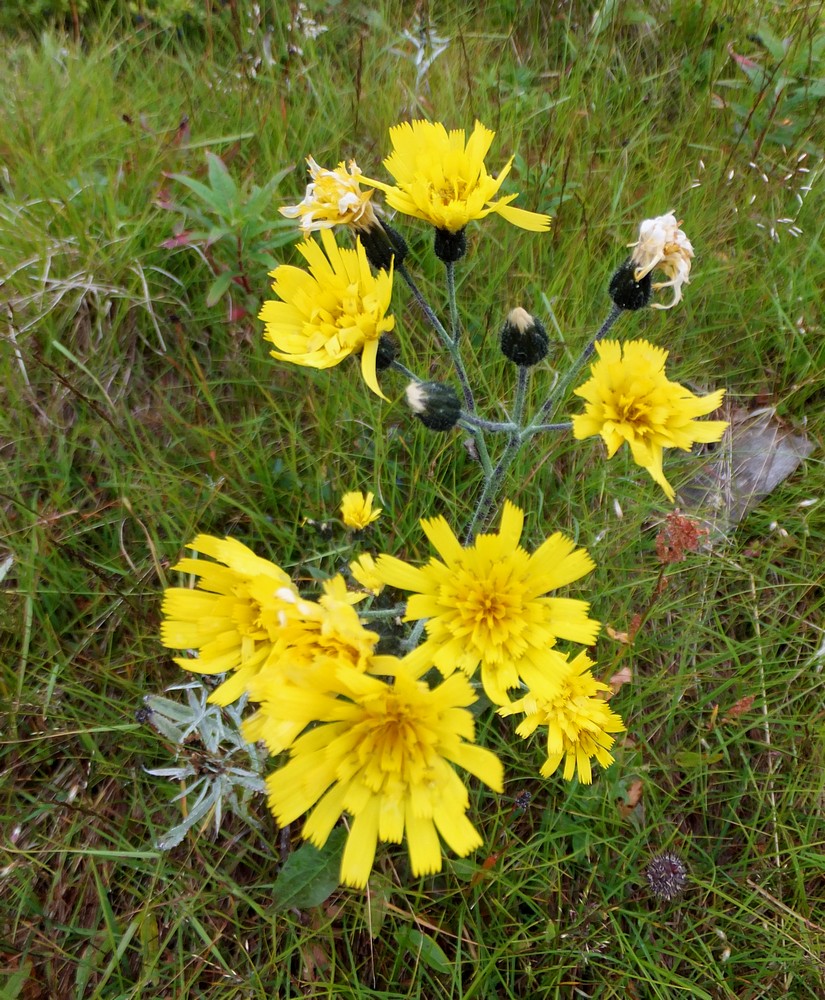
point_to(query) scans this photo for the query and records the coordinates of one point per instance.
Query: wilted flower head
(357, 510)
(679, 534)
(333, 198)
(666, 875)
(336, 308)
(663, 245)
(441, 178)
(630, 399)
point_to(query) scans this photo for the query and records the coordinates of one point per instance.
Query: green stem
(559, 393)
(398, 367)
(432, 319)
(455, 354)
(528, 432)
(493, 483)
(455, 328)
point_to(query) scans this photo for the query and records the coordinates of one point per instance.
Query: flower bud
(626, 291)
(523, 338)
(435, 404)
(450, 247)
(388, 351)
(381, 244)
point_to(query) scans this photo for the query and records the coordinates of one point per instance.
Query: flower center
(394, 746)
(633, 410)
(489, 609)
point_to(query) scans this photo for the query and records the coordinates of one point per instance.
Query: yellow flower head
(384, 753)
(364, 572)
(442, 179)
(663, 245)
(333, 198)
(565, 699)
(485, 605)
(305, 662)
(357, 512)
(629, 398)
(238, 611)
(334, 309)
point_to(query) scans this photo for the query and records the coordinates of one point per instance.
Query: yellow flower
(629, 398)
(484, 604)
(663, 245)
(335, 309)
(564, 697)
(239, 609)
(357, 512)
(305, 661)
(333, 198)
(364, 572)
(384, 753)
(442, 180)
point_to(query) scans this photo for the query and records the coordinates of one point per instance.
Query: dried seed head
(666, 875)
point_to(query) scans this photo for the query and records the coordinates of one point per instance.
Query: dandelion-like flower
(485, 604)
(335, 309)
(321, 639)
(333, 198)
(364, 571)
(232, 618)
(357, 511)
(629, 398)
(442, 179)
(384, 753)
(564, 696)
(663, 245)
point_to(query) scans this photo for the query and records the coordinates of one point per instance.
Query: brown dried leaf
(739, 708)
(620, 678)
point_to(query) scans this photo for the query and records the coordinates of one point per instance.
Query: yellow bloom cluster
(630, 399)
(357, 510)
(363, 733)
(442, 179)
(486, 605)
(338, 308)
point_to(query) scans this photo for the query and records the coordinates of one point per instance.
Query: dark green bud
(387, 352)
(435, 404)
(626, 291)
(381, 244)
(523, 338)
(450, 247)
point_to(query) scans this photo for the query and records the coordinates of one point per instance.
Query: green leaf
(424, 947)
(206, 194)
(13, 986)
(219, 287)
(689, 759)
(220, 179)
(776, 46)
(310, 876)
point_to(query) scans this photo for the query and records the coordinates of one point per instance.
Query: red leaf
(180, 240)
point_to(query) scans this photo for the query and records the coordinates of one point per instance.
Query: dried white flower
(663, 245)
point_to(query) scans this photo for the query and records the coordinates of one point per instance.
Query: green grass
(134, 415)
